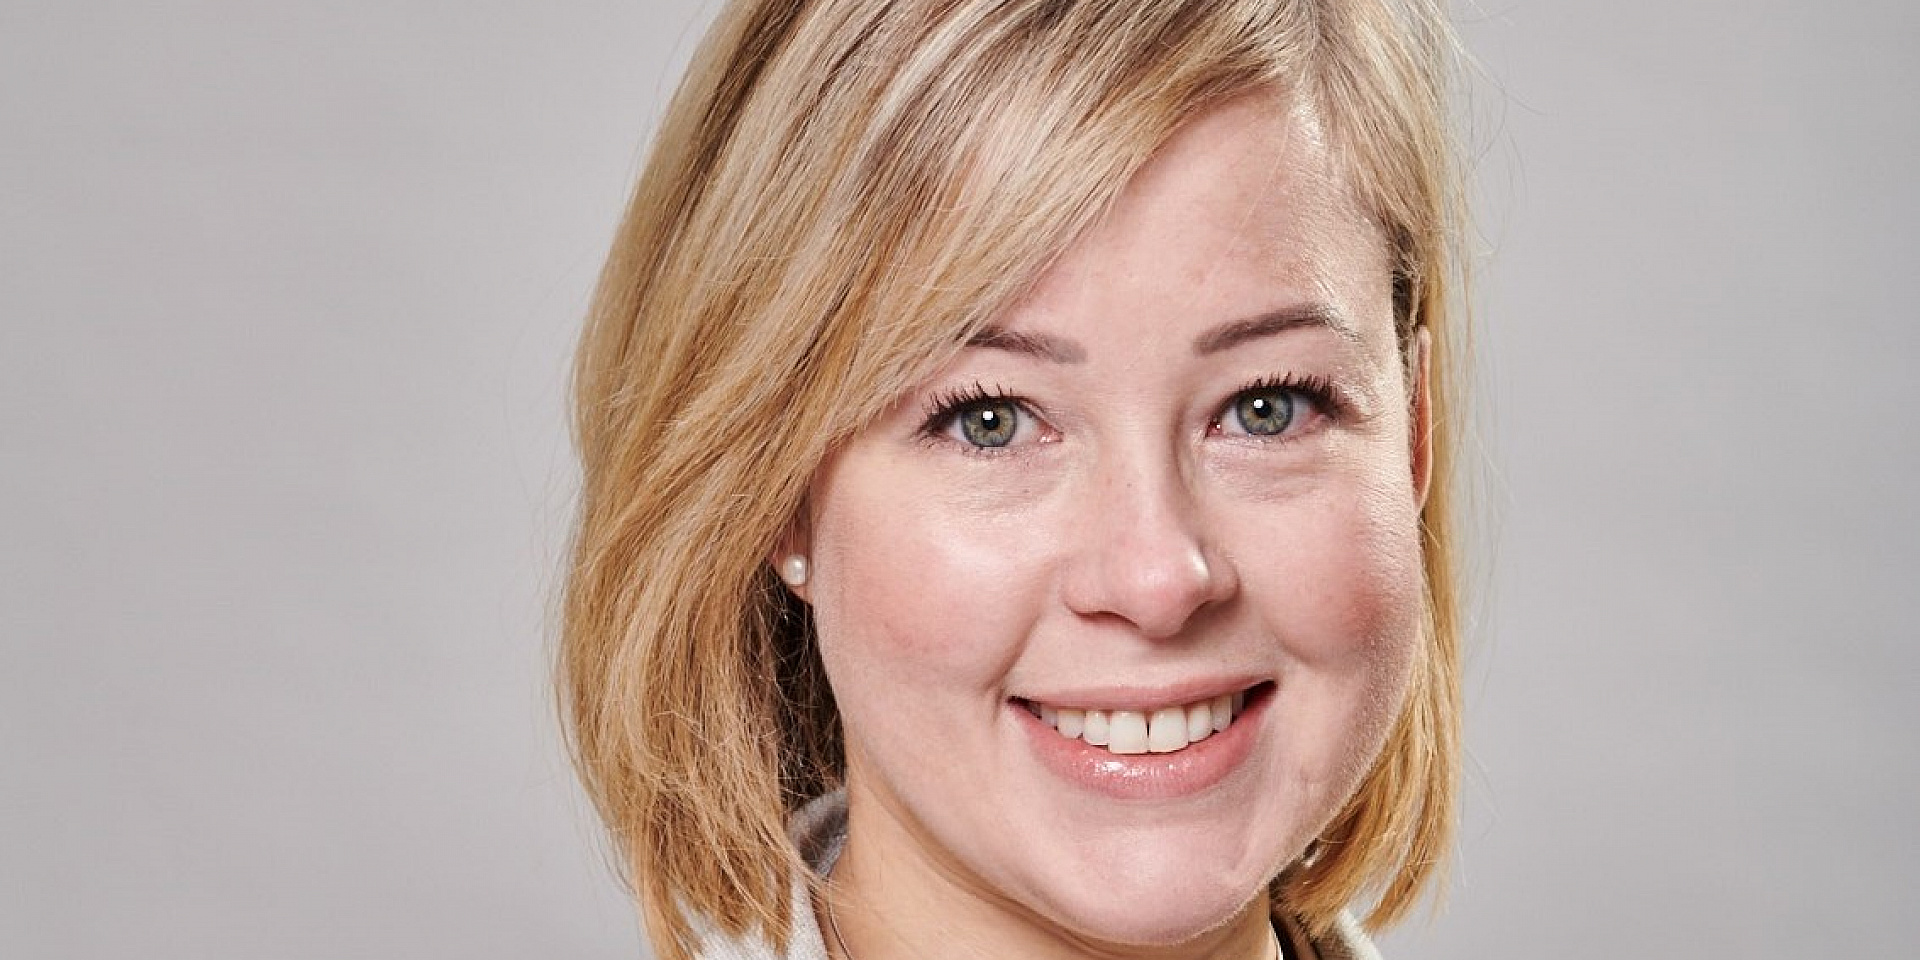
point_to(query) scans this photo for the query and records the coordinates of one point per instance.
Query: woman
(1015, 513)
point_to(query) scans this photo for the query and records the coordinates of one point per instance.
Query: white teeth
(1127, 730)
(1096, 728)
(1167, 731)
(1199, 722)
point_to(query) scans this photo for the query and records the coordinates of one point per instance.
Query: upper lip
(1142, 697)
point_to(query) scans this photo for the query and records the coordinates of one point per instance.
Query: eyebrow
(1236, 332)
(1037, 345)
(1226, 336)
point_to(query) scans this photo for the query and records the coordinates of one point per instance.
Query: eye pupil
(1264, 413)
(989, 424)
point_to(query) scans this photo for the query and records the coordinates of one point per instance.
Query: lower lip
(1147, 776)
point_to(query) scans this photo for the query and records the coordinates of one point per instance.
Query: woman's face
(1180, 480)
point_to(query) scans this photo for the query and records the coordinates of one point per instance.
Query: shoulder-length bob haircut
(840, 193)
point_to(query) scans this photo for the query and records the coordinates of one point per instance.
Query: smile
(1132, 732)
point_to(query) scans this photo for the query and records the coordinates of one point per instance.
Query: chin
(1155, 894)
(1164, 916)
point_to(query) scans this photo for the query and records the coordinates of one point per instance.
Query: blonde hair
(841, 192)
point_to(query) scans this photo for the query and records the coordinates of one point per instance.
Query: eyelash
(942, 408)
(1326, 397)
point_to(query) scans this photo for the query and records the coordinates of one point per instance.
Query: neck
(889, 901)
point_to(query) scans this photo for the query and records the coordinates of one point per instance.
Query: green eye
(989, 423)
(1264, 413)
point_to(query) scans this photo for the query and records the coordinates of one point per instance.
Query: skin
(1131, 533)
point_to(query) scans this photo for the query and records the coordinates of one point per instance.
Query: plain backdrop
(287, 293)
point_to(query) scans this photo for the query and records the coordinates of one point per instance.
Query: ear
(795, 541)
(1420, 420)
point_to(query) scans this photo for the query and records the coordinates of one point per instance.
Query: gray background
(286, 297)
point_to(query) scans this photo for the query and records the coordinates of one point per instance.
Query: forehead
(1244, 210)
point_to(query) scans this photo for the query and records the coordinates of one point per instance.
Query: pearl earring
(793, 570)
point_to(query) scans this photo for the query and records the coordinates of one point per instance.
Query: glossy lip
(1148, 776)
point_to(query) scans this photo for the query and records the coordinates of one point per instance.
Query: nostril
(1152, 567)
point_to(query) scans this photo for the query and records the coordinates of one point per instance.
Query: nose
(1142, 552)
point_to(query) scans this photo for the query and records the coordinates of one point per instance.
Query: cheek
(915, 597)
(1339, 593)
(1339, 582)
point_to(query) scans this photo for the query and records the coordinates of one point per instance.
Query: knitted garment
(819, 832)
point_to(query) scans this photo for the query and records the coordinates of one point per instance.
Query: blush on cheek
(1351, 591)
(910, 595)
